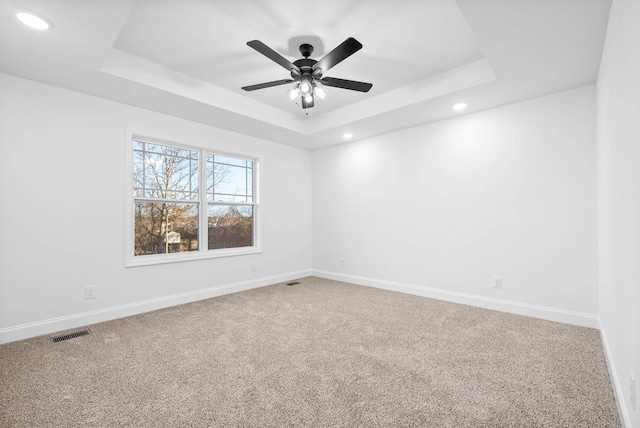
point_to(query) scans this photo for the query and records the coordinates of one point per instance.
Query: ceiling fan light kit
(307, 73)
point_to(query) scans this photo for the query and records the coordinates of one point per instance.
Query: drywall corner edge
(618, 391)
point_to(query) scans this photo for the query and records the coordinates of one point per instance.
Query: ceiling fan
(308, 73)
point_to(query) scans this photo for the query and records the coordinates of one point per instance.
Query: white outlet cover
(497, 282)
(90, 292)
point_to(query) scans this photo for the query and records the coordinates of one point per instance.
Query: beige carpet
(322, 354)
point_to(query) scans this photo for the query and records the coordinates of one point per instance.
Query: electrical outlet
(253, 267)
(632, 390)
(90, 292)
(497, 282)
(341, 262)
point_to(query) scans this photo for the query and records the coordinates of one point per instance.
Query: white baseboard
(25, 331)
(38, 328)
(543, 312)
(618, 390)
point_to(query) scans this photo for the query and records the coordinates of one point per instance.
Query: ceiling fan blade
(267, 84)
(343, 51)
(306, 104)
(272, 55)
(346, 84)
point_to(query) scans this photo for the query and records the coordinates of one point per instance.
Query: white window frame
(203, 252)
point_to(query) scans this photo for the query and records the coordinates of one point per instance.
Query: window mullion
(202, 191)
(239, 204)
(165, 200)
(254, 200)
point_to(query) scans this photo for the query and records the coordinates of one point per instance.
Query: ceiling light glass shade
(319, 91)
(305, 86)
(306, 90)
(33, 20)
(293, 93)
(347, 135)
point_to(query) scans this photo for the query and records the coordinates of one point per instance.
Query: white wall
(435, 210)
(619, 199)
(62, 159)
(439, 209)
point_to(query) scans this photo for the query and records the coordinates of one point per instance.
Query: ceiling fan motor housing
(306, 68)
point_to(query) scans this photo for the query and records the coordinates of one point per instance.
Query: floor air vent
(68, 336)
(293, 283)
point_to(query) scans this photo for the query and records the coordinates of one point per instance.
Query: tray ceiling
(190, 58)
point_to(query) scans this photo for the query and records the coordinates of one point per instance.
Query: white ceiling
(189, 58)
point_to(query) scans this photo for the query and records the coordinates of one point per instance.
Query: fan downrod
(306, 50)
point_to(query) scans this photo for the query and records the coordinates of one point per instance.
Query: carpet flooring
(317, 354)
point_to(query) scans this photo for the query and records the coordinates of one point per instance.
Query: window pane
(229, 179)
(138, 173)
(164, 171)
(230, 226)
(165, 228)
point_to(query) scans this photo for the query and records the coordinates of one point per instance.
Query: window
(188, 203)
(230, 202)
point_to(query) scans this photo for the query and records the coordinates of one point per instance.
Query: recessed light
(459, 106)
(347, 135)
(32, 19)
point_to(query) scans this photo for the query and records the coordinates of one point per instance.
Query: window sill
(160, 259)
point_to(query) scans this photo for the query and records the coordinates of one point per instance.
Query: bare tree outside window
(165, 183)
